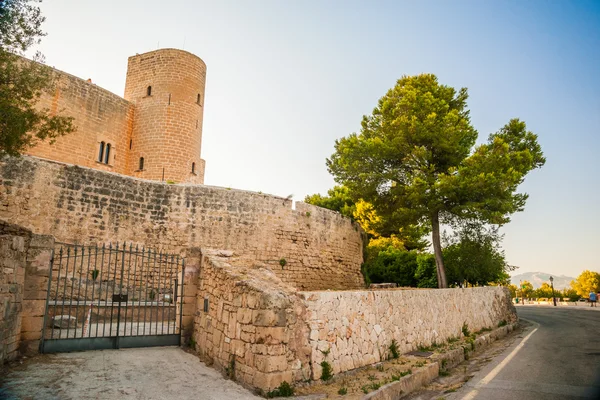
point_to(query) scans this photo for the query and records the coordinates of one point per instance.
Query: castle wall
(100, 116)
(321, 249)
(167, 129)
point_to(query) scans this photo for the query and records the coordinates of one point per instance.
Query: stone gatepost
(193, 261)
(37, 271)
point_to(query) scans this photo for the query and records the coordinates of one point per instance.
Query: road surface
(558, 357)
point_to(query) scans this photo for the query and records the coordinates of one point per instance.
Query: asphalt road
(558, 357)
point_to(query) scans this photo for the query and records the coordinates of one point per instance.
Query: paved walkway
(147, 373)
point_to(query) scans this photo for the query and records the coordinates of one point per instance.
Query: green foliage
(284, 390)
(465, 330)
(545, 291)
(343, 391)
(230, 369)
(192, 343)
(426, 271)
(513, 290)
(337, 199)
(502, 323)
(22, 124)
(391, 265)
(394, 352)
(473, 255)
(414, 161)
(172, 182)
(525, 289)
(327, 371)
(586, 282)
(282, 262)
(571, 294)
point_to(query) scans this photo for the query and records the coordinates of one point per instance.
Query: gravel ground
(144, 373)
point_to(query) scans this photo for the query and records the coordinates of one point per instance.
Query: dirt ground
(145, 373)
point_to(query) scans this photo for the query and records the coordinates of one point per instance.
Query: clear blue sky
(286, 78)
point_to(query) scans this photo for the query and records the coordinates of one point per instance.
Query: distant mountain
(537, 278)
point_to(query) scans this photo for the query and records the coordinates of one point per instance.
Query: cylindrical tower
(167, 88)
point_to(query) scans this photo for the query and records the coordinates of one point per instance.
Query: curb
(440, 362)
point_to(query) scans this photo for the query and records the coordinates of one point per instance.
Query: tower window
(193, 168)
(149, 91)
(104, 153)
(141, 163)
(101, 152)
(198, 99)
(107, 153)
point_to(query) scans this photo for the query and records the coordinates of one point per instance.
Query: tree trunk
(437, 250)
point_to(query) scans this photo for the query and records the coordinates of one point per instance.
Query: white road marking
(488, 378)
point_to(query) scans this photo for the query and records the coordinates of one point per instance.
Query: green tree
(414, 161)
(513, 290)
(571, 294)
(22, 83)
(392, 265)
(586, 282)
(426, 274)
(341, 200)
(473, 255)
(338, 199)
(544, 291)
(525, 289)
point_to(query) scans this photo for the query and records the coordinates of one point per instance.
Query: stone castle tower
(154, 132)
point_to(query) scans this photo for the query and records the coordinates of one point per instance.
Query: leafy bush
(394, 349)
(327, 372)
(465, 330)
(284, 390)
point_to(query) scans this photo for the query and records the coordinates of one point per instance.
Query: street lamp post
(552, 286)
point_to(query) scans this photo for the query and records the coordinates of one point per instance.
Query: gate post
(37, 276)
(186, 304)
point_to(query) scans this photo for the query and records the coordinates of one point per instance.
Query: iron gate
(112, 297)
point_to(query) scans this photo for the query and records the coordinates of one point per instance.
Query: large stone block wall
(357, 327)
(250, 324)
(100, 116)
(322, 249)
(24, 270)
(163, 127)
(13, 256)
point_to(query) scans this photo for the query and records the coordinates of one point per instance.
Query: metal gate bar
(91, 288)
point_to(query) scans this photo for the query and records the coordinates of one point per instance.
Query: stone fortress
(270, 288)
(154, 132)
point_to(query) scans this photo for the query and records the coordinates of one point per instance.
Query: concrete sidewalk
(145, 373)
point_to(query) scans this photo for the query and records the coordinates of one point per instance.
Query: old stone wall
(351, 329)
(24, 269)
(250, 324)
(100, 116)
(309, 248)
(13, 257)
(154, 132)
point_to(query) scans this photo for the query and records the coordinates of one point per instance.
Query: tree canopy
(415, 162)
(473, 255)
(586, 282)
(22, 83)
